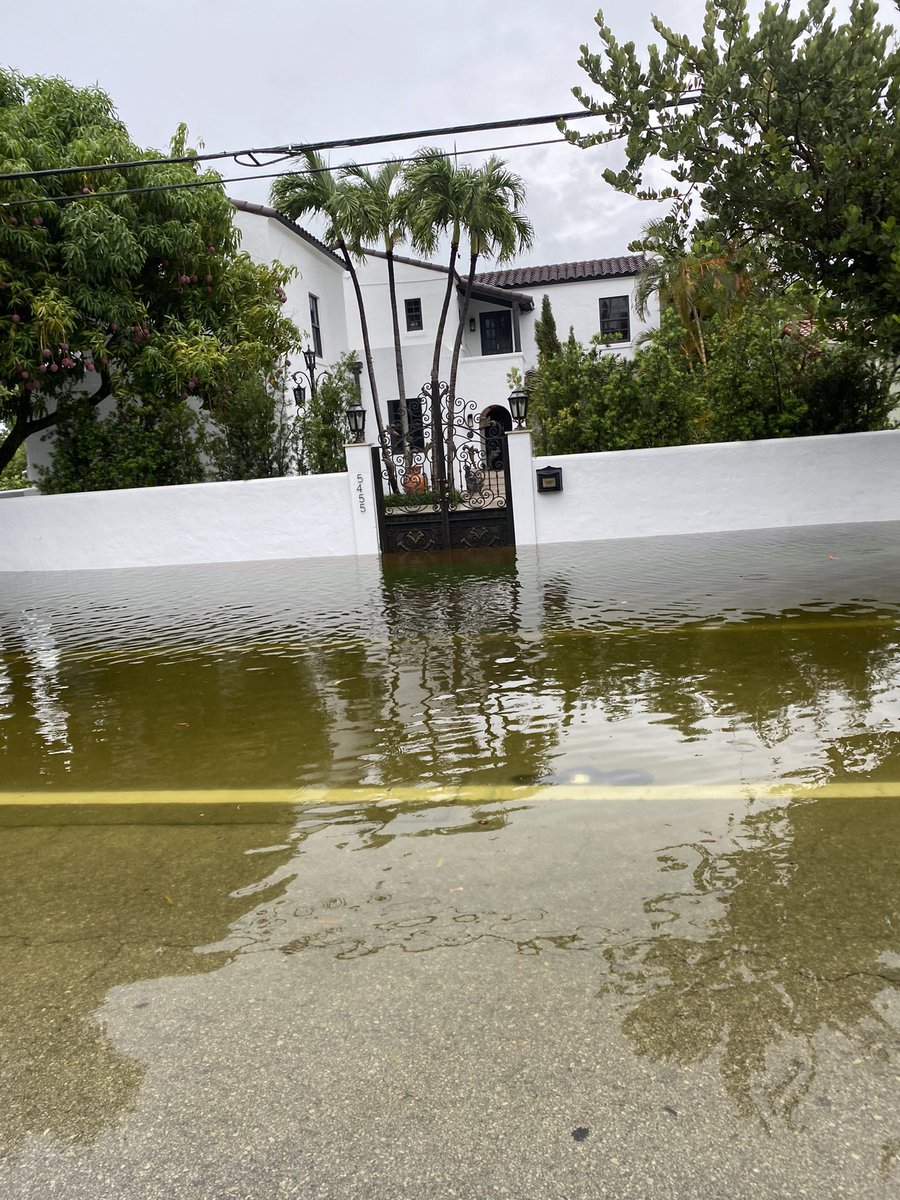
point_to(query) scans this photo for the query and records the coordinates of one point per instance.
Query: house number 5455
(360, 494)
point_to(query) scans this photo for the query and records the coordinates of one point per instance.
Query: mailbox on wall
(549, 479)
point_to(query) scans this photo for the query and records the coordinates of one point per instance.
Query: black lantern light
(356, 421)
(518, 406)
(310, 376)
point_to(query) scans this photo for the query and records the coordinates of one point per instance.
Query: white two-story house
(591, 297)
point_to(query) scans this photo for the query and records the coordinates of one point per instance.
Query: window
(496, 332)
(415, 417)
(615, 320)
(314, 325)
(413, 314)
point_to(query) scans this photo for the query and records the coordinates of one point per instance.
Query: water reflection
(759, 657)
(82, 909)
(765, 941)
(760, 941)
(743, 945)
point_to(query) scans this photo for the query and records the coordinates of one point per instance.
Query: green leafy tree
(142, 442)
(483, 203)
(768, 375)
(322, 423)
(785, 129)
(253, 435)
(15, 474)
(545, 333)
(140, 298)
(586, 399)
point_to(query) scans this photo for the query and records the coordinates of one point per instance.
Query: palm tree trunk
(398, 359)
(436, 429)
(454, 361)
(370, 367)
(698, 340)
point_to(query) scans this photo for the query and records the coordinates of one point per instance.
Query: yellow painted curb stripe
(461, 795)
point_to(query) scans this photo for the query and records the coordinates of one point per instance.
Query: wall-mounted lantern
(549, 479)
(518, 406)
(471, 324)
(356, 420)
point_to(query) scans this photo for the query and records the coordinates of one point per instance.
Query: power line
(294, 150)
(200, 183)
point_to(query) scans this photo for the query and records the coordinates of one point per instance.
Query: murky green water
(393, 998)
(714, 660)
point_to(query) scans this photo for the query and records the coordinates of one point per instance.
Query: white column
(363, 512)
(521, 481)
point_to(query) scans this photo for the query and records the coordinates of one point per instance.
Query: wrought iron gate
(444, 492)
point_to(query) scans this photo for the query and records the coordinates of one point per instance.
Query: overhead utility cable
(293, 150)
(218, 182)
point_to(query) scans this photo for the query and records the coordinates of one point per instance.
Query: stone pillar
(361, 486)
(521, 482)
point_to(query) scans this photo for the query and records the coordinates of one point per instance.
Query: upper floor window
(314, 326)
(496, 332)
(413, 314)
(615, 318)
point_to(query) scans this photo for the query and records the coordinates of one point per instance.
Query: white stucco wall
(577, 305)
(266, 240)
(297, 517)
(622, 494)
(732, 485)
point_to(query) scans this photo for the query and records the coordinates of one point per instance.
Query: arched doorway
(495, 423)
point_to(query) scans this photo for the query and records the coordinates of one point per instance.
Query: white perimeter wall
(297, 517)
(731, 485)
(624, 494)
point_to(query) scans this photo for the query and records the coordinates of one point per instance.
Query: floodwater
(566, 874)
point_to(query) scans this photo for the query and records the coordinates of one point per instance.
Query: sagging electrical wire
(219, 181)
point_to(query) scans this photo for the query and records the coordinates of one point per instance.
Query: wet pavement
(504, 960)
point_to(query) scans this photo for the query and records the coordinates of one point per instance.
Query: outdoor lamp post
(309, 375)
(518, 406)
(356, 420)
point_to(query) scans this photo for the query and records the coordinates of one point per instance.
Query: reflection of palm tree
(770, 942)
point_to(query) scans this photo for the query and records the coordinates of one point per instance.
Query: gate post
(521, 484)
(362, 498)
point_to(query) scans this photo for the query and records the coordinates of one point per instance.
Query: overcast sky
(244, 73)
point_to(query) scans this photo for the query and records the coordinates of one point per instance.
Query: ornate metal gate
(444, 492)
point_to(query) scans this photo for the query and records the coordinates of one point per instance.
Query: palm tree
(316, 190)
(694, 282)
(434, 205)
(496, 228)
(382, 206)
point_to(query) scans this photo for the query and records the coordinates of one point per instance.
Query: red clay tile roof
(572, 272)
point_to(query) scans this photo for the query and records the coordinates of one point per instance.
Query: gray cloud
(242, 73)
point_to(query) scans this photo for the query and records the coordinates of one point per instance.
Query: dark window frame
(416, 421)
(616, 322)
(315, 324)
(495, 341)
(413, 309)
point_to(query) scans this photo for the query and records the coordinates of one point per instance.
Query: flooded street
(570, 875)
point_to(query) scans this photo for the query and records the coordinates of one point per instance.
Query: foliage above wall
(142, 298)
